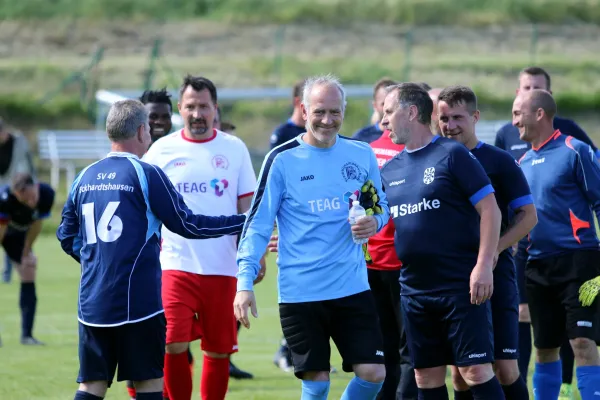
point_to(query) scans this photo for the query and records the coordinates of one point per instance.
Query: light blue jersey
(309, 192)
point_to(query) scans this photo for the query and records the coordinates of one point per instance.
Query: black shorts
(350, 321)
(553, 290)
(138, 349)
(520, 265)
(505, 310)
(448, 330)
(385, 287)
(13, 244)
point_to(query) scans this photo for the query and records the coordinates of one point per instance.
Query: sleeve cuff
(520, 202)
(241, 196)
(481, 193)
(245, 283)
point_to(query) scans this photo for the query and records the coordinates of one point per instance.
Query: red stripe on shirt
(241, 196)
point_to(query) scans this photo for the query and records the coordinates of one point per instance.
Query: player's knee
(320, 376)
(97, 388)
(585, 351)
(457, 380)
(370, 372)
(177, 348)
(477, 374)
(547, 355)
(216, 355)
(430, 378)
(524, 315)
(507, 371)
(149, 386)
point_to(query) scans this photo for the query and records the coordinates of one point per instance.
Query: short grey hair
(124, 118)
(322, 80)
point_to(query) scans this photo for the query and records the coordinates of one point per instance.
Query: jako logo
(409, 208)
(541, 160)
(349, 197)
(219, 186)
(307, 178)
(477, 355)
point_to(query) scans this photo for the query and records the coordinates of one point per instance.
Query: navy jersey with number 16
(111, 224)
(432, 193)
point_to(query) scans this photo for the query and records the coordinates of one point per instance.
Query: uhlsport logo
(219, 186)
(349, 197)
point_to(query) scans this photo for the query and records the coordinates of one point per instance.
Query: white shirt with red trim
(211, 175)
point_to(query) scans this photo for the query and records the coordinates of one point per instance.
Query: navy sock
(524, 349)
(463, 395)
(567, 358)
(547, 380)
(392, 379)
(491, 390)
(86, 396)
(517, 391)
(440, 393)
(588, 382)
(28, 303)
(149, 396)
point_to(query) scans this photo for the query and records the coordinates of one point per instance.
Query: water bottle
(357, 212)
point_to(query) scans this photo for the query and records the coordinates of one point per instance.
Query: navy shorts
(13, 244)
(505, 310)
(138, 349)
(447, 330)
(520, 264)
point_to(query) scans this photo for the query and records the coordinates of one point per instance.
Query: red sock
(178, 379)
(131, 392)
(215, 378)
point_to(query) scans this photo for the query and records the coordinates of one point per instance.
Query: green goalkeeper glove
(366, 253)
(369, 199)
(588, 291)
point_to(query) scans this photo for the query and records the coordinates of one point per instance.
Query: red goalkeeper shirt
(381, 246)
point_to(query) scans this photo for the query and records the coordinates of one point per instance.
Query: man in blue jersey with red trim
(307, 185)
(507, 138)
(563, 249)
(457, 119)
(111, 225)
(447, 233)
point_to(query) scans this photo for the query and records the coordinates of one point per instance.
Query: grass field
(48, 373)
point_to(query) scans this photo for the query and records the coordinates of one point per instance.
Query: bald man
(435, 126)
(563, 248)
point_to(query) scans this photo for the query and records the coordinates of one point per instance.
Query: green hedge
(338, 12)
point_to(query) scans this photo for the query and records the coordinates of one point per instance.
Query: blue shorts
(520, 264)
(138, 349)
(505, 310)
(447, 330)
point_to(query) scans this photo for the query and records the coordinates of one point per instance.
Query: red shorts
(200, 307)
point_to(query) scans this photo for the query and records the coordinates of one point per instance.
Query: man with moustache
(213, 173)
(447, 229)
(563, 248)
(457, 118)
(307, 185)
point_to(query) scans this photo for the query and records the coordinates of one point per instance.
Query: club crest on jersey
(220, 162)
(349, 197)
(219, 186)
(429, 175)
(351, 171)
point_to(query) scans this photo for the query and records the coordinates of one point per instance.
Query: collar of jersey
(121, 154)
(435, 137)
(308, 146)
(554, 136)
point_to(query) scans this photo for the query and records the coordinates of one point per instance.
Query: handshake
(369, 200)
